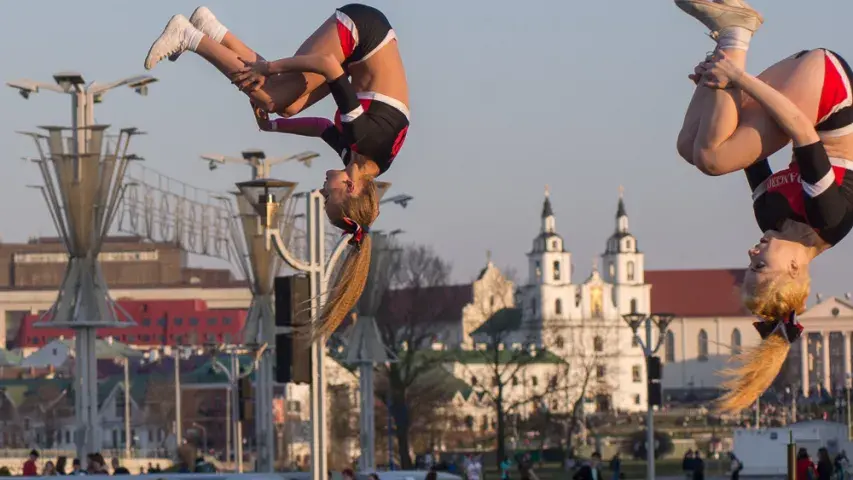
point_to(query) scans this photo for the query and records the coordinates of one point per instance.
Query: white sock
(193, 37)
(735, 38)
(217, 32)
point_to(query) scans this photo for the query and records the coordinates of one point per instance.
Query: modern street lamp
(650, 347)
(266, 196)
(257, 159)
(83, 97)
(365, 348)
(401, 200)
(233, 374)
(260, 265)
(83, 185)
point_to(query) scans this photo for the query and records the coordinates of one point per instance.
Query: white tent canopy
(58, 352)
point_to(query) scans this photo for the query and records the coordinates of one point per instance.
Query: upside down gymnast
(734, 122)
(370, 126)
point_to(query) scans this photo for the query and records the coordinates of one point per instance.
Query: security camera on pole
(83, 185)
(650, 346)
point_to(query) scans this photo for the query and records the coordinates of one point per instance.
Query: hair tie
(358, 231)
(788, 327)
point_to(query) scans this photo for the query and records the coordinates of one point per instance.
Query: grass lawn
(633, 470)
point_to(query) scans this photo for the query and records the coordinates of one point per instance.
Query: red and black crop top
(814, 190)
(368, 123)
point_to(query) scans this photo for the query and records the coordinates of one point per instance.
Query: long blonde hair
(771, 300)
(348, 283)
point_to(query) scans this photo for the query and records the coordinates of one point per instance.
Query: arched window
(703, 346)
(669, 346)
(558, 307)
(630, 271)
(612, 269)
(633, 305)
(736, 342)
(559, 342)
(556, 270)
(598, 344)
(474, 381)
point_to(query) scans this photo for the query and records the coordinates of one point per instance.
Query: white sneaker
(204, 20)
(722, 14)
(175, 38)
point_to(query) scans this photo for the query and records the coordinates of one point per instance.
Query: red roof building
(697, 293)
(167, 322)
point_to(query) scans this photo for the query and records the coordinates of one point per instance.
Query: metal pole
(89, 116)
(228, 423)
(849, 432)
(235, 405)
(127, 436)
(390, 430)
(794, 406)
(239, 446)
(317, 258)
(367, 462)
(758, 413)
(178, 427)
(792, 457)
(650, 414)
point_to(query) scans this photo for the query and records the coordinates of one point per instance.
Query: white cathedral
(582, 323)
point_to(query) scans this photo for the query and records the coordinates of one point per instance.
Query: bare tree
(518, 378)
(501, 362)
(52, 405)
(408, 295)
(343, 427)
(160, 402)
(588, 347)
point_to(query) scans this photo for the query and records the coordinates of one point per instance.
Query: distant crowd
(187, 461)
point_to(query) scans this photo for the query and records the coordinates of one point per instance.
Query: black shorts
(362, 31)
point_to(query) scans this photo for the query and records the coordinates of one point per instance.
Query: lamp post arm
(96, 88)
(274, 238)
(36, 86)
(342, 245)
(640, 341)
(222, 368)
(660, 341)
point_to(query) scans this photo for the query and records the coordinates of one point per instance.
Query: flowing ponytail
(776, 302)
(759, 367)
(357, 214)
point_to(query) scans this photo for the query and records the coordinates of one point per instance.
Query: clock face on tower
(596, 301)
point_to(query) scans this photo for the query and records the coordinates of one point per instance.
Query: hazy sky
(505, 98)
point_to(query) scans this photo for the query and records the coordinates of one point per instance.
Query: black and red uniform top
(814, 190)
(370, 124)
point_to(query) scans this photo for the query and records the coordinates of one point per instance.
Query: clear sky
(505, 97)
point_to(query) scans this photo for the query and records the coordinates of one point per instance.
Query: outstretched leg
(285, 94)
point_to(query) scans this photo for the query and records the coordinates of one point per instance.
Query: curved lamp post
(266, 196)
(662, 321)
